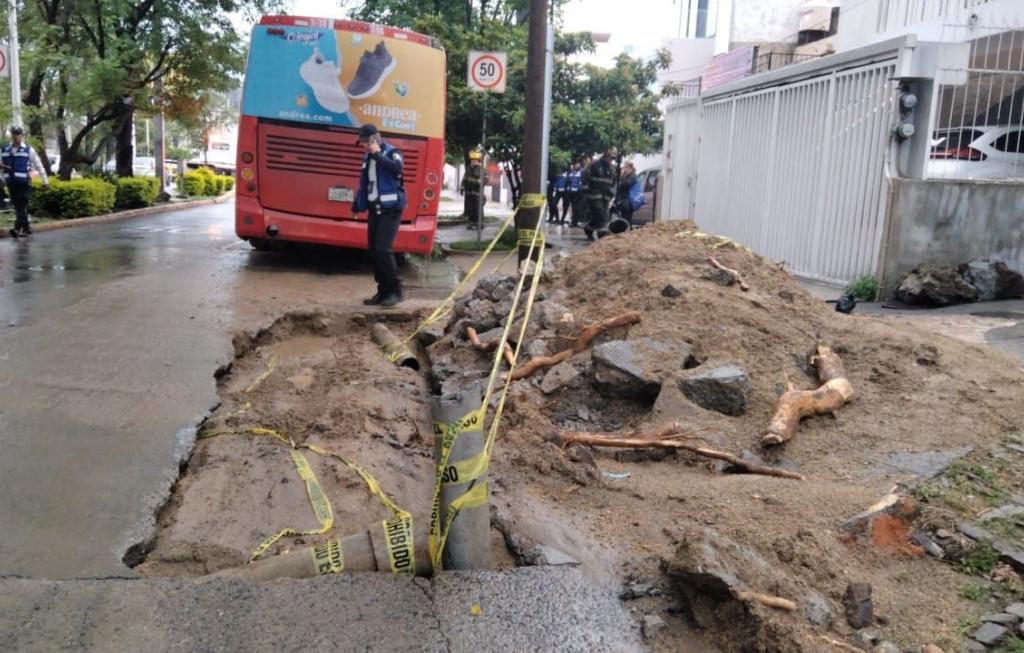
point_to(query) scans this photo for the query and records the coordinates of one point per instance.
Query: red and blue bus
(310, 83)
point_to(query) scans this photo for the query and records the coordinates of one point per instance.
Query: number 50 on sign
(487, 71)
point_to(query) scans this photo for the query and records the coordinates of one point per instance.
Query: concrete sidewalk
(526, 609)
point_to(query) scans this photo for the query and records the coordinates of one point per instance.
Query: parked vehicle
(142, 166)
(984, 152)
(649, 181)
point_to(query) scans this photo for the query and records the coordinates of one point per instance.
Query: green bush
(229, 183)
(209, 181)
(136, 192)
(864, 288)
(195, 184)
(72, 199)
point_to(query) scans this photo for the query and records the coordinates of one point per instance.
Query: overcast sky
(636, 26)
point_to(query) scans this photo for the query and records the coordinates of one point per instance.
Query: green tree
(93, 63)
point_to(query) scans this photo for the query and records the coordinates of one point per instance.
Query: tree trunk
(124, 118)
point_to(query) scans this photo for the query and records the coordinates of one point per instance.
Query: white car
(987, 152)
(142, 166)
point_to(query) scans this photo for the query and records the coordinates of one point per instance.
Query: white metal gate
(795, 170)
(682, 130)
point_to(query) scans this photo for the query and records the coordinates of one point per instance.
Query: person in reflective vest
(471, 188)
(558, 197)
(19, 159)
(382, 194)
(574, 195)
(598, 190)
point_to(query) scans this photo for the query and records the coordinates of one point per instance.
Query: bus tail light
(247, 157)
(248, 174)
(429, 194)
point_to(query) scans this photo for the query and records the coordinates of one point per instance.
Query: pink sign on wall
(728, 67)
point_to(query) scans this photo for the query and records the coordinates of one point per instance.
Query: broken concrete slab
(818, 610)
(990, 634)
(722, 389)
(926, 464)
(1003, 512)
(1008, 552)
(635, 369)
(1016, 609)
(542, 554)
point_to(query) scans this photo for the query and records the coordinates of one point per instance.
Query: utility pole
(12, 27)
(529, 213)
(549, 65)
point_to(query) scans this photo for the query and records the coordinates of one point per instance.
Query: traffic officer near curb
(598, 182)
(19, 158)
(382, 194)
(471, 187)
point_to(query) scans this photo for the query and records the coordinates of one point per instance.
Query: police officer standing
(382, 193)
(471, 189)
(598, 190)
(19, 158)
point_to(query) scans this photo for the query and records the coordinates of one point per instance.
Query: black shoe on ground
(390, 300)
(373, 301)
(13, 233)
(373, 69)
(27, 231)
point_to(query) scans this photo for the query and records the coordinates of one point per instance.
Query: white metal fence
(795, 170)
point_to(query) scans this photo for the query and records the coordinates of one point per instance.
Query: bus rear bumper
(253, 221)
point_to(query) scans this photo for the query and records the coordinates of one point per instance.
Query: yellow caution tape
(472, 469)
(398, 536)
(527, 236)
(532, 201)
(271, 365)
(321, 507)
(328, 557)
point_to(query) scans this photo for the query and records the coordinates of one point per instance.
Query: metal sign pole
(12, 26)
(482, 201)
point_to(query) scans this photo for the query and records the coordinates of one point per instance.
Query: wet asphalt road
(109, 337)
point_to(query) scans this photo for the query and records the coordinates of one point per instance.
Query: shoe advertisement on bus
(324, 76)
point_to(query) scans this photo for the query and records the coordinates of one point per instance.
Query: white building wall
(862, 22)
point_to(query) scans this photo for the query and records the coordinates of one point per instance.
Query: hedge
(203, 182)
(136, 192)
(73, 199)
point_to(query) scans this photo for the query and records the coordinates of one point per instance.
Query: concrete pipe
(365, 551)
(394, 349)
(468, 544)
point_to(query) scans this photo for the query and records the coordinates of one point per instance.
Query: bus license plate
(340, 194)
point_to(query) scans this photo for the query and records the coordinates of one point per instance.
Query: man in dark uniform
(471, 189)
(19, 159)
(382, 193)
(574, 195)
(598, 191)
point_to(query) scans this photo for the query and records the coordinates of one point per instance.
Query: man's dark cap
(366, 131)
(17, 131)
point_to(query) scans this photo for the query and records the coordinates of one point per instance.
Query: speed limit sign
(487, 71)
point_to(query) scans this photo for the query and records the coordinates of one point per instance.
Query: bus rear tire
(261, 244)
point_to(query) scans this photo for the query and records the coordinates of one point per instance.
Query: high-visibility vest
(17, 161)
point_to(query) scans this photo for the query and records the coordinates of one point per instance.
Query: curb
(125, 215)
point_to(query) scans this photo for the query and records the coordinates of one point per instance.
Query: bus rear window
(334, 77)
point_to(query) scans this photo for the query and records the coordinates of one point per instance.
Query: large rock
(993, 279)
(860, 611)
(635, 369)
(722, 389)
(935, 285)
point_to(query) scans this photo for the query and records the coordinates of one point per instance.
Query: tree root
(582, 342)
(669, 437)
(794, 405)
(474, 339)
(736, 276)
(776, 602)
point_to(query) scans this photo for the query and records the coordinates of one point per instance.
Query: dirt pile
(677, 535)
